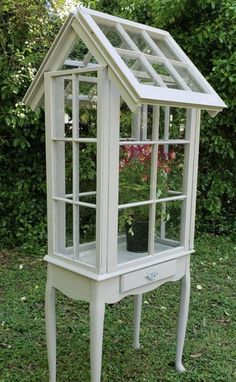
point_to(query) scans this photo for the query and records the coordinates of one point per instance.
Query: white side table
(111, 290)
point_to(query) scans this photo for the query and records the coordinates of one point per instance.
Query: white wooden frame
(108, 144)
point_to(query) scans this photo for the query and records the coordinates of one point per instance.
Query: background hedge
(205, 29)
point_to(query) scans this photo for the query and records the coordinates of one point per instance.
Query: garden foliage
(206, 29)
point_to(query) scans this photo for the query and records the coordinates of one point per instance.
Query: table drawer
(148, 275)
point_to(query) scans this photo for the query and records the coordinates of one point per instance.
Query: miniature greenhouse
(122, 107)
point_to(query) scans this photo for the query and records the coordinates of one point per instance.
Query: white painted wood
(153, 180)
(156, 142)
(103, 17)
(49, 163)
(187, 179)
(137, 319)
(148, 275)
(147, 202)
(175, 97)
(103, 125)
(144, 123)
(183, 317)
(166, 149)
(136, 127)
(76, 163)
(50, 318)
(59, 170)
(194, 178)
(97, 312)
(87, 58)
(113, 175)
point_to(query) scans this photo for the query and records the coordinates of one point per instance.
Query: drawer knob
(151, 276)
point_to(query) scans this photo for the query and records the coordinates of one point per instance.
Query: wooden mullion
(153, 181)
(59, 188)
(113, 191)
(166, 149)
(87, 58)
(76, 180)
(103, 125)
(49, 119)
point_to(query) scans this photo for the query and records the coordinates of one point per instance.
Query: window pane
(114, 37)
(68, 108)
(174, 118)
(69, 225)
(168, 224)
(165, 49)
(134, 173)
(63, 169)
(141, 42)
(63, 228)
(170, 169)
(87, 167)
(166, 76)
(87, 224)
(87, 109)
(135, 126)
(138, 69)
(188, 78)
(79, 51)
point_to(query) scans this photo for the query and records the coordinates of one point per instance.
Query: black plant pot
(138, 242)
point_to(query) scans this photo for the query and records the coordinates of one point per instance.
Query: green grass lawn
(210, 347)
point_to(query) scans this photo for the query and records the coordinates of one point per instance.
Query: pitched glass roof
(146, 63)
(150, 60)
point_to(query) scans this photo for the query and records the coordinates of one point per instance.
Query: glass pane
(175, 120)
(170, 169)
(69, 225)
(133, 233)
(165, 49)
(134, 173)
(63, 228)
(168, 223)
(87, 223)
(87, 109)
(62, 107)
(165, 75)
(141, 42)
(114, 37)
(87, 167)
(138, 69)
(68, 169)
(79, 51)
(188, 78)
(63, 169)
(68, 124)
(87, 218)
(135, 126)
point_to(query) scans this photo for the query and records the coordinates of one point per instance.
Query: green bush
(26, 32)
(206, 29)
